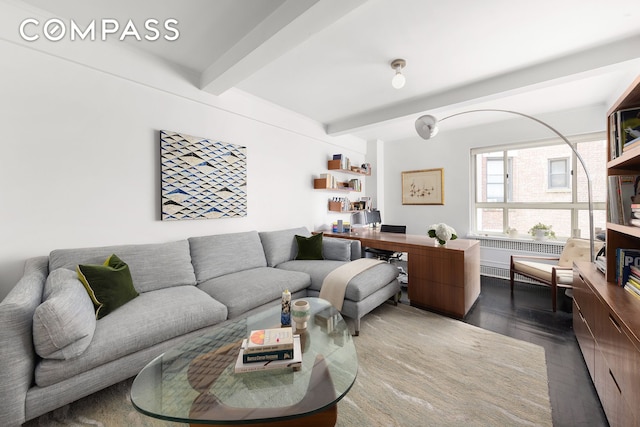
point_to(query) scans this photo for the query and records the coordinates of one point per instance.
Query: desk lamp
(426, 126)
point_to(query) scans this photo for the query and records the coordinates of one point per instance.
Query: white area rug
(416, 368)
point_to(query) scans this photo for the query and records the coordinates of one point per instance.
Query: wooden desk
(442, 279)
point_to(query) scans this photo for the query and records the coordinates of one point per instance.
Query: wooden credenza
(442, 279)
(606, 321)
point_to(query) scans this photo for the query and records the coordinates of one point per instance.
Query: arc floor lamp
(427, 128)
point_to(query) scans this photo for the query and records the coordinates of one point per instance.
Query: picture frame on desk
(423, 187)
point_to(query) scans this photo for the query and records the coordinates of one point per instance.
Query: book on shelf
(294, 363)
(274, 339)
(628, 126)
(624, 128)
(329, 180)
(625, 259)
(622, 191)
(633, 291)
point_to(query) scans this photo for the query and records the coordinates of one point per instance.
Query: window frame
(574, 206)
(568, 173)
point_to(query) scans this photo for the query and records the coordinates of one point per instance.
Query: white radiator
(495, 253)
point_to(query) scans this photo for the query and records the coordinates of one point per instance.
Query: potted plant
(541, 231)
(442, 233)
(511, 232)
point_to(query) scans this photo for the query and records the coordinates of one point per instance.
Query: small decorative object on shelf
(541, 231)
(442, 233)
(285, 316)
(301, 313)
(511, 232)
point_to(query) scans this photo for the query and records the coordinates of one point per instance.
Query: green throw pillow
(109, 285)
(309, 248)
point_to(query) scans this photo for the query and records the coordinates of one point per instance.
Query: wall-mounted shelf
(322, 184)
(335, 165)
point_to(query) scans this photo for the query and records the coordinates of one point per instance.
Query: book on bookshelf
(628, 126)
(633, 291)
(294, 363)
(625, 259)
(262, 340)
(622, 192)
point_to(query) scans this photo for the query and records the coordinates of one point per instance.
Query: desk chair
(383, 254)
(555, 275)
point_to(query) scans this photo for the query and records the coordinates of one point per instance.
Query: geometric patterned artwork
(202, 178)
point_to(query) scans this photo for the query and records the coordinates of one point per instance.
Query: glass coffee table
(195, 382)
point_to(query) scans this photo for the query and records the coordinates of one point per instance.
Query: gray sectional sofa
(53, 350)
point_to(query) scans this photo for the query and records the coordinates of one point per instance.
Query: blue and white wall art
(202, 178)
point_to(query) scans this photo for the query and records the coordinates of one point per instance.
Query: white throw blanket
(335, 283)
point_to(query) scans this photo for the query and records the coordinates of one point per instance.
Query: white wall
(451, 150)
(80, 163)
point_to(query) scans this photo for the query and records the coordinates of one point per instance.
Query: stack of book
(633, 281)
(635, 215)
(275, 348)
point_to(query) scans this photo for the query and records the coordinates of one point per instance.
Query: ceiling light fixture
(427, 128)
(398, 80)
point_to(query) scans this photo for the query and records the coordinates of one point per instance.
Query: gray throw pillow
(336, 249)
(64, 324)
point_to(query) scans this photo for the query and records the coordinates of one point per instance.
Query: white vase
(301, 312)
(540, 235)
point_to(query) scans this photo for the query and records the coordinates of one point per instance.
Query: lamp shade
(426, 126)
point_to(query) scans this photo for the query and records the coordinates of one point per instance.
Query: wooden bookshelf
(606, 317)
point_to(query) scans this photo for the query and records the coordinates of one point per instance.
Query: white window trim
(574, 206)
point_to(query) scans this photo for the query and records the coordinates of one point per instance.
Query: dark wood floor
(527, 316)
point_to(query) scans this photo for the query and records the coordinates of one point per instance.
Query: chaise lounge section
(185, 288)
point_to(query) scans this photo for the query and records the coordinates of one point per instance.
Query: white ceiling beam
(291, 24)
(578, 65)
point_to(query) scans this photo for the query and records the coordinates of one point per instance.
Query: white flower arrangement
(442, 232)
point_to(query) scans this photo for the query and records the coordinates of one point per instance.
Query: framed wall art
(423, 187)
(202, 178)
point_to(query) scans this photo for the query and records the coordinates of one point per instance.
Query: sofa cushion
(109, 285)
(152, 318)
(63, 325)
(248, 289)
(358, 288)
(221, 254)
(280, 246)
(153, 266)
(309, 247)
(338, 249)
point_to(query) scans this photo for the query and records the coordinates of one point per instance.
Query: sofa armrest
(337, 249)
(17, 358)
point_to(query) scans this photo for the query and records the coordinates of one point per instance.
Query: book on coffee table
(294, 363)
(264, 340)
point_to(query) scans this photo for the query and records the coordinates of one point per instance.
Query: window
(559, 173)
(496, 179)
(543, 182)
